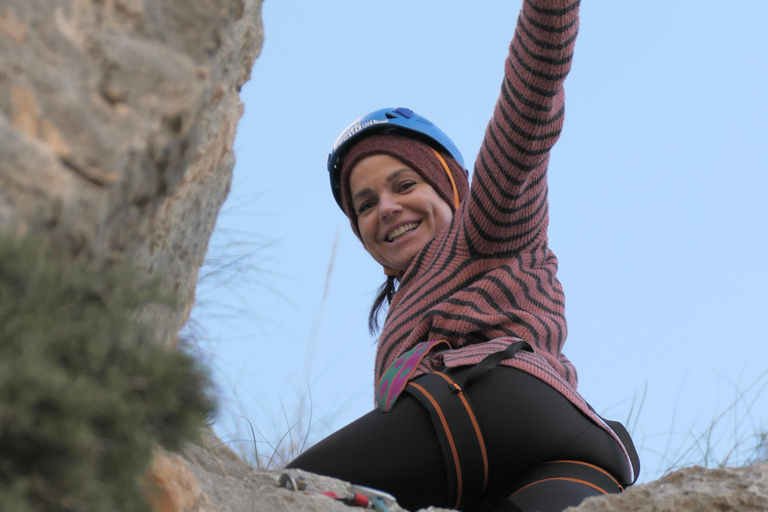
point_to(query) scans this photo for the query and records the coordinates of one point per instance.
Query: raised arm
(507, 208)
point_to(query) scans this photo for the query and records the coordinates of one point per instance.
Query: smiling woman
(413, 143)
(477, 404)
(398, 212)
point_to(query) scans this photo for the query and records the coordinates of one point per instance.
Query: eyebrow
(392, 177)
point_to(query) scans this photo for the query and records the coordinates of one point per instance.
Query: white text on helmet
(354, 128)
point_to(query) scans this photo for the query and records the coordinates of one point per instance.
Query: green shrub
(84, 392)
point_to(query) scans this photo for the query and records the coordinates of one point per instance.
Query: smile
(402, 230)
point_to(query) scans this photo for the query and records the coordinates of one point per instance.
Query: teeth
(402, 230)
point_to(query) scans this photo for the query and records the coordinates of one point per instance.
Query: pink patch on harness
(394, 380)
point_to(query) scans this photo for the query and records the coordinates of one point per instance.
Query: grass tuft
(85, 393)
(737, 436)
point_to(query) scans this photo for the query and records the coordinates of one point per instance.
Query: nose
(389, 206)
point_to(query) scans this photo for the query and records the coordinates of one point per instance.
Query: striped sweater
(490, 275)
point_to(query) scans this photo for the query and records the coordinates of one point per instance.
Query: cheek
(366, 228)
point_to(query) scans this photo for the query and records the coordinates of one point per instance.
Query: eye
(365, 205)
(405, 185)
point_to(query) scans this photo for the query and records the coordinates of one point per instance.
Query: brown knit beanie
(417, 155)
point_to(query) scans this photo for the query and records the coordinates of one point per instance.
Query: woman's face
(397, 211)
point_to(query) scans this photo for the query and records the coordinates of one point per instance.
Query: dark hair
(385, 291)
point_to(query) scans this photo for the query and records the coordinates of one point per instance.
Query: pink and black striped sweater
(490, 273)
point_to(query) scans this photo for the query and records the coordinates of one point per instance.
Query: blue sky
(658, 208)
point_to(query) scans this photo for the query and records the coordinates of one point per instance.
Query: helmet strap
(450, 177)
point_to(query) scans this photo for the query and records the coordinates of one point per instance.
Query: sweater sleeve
(507, 209)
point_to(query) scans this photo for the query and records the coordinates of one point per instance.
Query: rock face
(208, 481)
(693, 489)
(117, 119)
(205, 479)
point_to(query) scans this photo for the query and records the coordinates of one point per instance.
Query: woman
(474, 394)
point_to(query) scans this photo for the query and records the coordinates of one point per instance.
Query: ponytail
(386, 291)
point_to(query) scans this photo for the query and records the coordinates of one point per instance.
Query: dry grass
(274, 439)
(300, 429)
(736, 436)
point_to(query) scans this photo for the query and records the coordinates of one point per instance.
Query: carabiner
(380, 500)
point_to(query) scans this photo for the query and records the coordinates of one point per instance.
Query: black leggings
(524, 422)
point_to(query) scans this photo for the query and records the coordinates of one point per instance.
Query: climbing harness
(549, 487)
(393, 382)
(461, 441)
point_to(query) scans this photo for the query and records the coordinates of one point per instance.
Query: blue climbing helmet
(386, 120)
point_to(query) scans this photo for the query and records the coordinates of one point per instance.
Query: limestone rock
(207, 478)
(236, 486)
(117, 119)
(205, 481)
(693, 489)
(170, 486)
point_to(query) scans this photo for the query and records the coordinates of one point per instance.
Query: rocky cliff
(117, 119)
(203, 481)
(693, 489)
